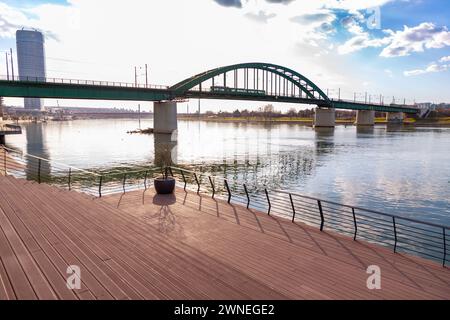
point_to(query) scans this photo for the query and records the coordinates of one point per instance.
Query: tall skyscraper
(31, 61)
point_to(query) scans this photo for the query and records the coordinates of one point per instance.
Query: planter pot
(164, 186)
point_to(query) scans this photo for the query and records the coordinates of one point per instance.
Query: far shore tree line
(269, 112)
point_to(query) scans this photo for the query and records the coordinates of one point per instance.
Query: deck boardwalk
(141, 246)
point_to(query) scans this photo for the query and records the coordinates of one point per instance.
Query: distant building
(31, 61)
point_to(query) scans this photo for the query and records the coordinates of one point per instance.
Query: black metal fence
(22, 165)
(402, 234)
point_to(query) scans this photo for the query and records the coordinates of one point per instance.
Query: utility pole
(354, 97)
(339, 94)
(12, 64)
(146, 75)
(199, 107)
(7, 66)
(365, 99)
(135, 77)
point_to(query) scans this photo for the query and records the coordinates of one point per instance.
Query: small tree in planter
(165, 184)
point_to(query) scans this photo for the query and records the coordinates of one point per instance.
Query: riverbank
(442, 122)
(280, 120)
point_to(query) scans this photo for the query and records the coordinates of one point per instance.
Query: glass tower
(31, 62)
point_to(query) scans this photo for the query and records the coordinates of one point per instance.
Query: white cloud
(399, 43)
(360, 41)
(445, 59)
(10, 21)
(432, 68)
(261, 16)
(416, 39)
(389, 73)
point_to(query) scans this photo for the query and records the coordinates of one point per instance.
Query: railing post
(248, 196)
(70, 179)
(124, 181)
(39, 171)
(293, 207)
(4, 154)
(395, 234)
(145, 179)
(212, 186)
(445, 247)
(198, 183)
(322, 219)
(100, 187)
(184, 179)
(268, 201)
(355, 223)
(228, 190)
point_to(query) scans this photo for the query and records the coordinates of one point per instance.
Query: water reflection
(166, 153)
(36, 145)
(324, 140)
(364, 131)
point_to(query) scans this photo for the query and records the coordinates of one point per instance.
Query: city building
(31, 61)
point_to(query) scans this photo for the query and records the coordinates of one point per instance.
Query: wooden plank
(152, 252)
(6, 289)
(52, 275)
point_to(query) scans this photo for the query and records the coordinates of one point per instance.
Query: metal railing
(83, 82)
(402, 234)
(29, 167)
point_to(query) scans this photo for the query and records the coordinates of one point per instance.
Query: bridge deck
(140, 246)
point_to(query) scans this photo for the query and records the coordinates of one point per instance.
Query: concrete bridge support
(365, 118)
(325, 118)
(395, 117)
(165, 117)
(2, 139)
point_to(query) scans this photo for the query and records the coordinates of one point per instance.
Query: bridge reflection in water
(166, 149)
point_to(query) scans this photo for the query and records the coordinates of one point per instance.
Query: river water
(399, 170)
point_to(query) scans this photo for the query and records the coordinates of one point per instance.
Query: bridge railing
(82, 82)
(251, 92)
(401, 233)
(374, 103)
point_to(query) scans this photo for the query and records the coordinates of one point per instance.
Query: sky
(395, 48)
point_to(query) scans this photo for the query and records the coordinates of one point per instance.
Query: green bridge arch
(300, 81)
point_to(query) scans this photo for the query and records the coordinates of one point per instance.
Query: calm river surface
(396, 170)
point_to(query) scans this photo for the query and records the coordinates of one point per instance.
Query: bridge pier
(165, 117)
(365, 118)
(2, 140)
(324, 118)
(395, 117)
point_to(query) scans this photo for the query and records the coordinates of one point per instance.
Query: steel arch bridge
(247, 81)
(254, 79)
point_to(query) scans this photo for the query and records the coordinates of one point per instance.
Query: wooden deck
(141, 246)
